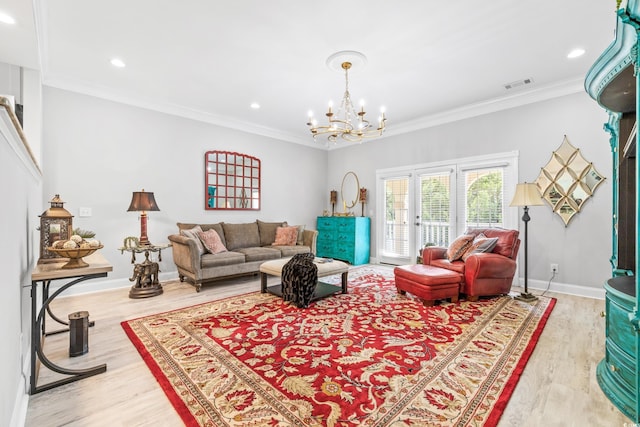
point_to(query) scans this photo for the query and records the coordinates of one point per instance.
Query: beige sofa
(248, 245)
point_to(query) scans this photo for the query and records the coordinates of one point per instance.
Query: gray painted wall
(583, 248)
(97, 152)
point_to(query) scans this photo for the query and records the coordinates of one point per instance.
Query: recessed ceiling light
(255, 105)
(6, 19)
(116, 62)
(575, 53)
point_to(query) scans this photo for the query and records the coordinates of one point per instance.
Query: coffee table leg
(263, 282)
(344, 282)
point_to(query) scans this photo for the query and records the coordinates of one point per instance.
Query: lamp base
(526, 297)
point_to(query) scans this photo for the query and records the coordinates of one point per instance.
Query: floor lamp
(527, 194)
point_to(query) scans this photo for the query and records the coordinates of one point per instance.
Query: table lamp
(143, 201)
(527, 194)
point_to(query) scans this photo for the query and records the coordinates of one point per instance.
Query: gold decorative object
(568, 180)
(347, 123)
(363, 198)
(55, 224)
(333, 198)
(350, 190)
(75, 255)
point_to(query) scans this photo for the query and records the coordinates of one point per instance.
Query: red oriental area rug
(367, 358)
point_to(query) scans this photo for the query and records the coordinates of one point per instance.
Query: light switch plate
(84, 212)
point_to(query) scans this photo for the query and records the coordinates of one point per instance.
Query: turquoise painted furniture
(612, 82)
(346, 238)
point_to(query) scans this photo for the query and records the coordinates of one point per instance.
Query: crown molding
(539, 94)
(172, 109)
(542, 93)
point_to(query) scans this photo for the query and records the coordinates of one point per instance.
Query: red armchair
(483, 274)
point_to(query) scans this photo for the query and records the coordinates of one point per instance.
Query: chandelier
(346, 122)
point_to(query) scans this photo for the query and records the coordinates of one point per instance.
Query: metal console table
(44, 274)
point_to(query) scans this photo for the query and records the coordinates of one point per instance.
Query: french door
(432, 204)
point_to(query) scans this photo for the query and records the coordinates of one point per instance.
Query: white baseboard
(538, 286)
(19, 415)
(91, 286)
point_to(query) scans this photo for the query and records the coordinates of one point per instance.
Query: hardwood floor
(557, 388)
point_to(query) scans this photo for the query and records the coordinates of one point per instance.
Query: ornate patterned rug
(367, 358)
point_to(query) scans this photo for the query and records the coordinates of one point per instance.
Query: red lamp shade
(143, 201)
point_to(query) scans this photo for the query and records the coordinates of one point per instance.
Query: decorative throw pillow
(193, 235)
(300, 240)
(480, 244)
(211, 241)
(267, 231)
(458, 247)
(286, 236)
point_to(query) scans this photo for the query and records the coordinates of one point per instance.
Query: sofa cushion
(267, 231)
(259, 253)
(288, 251)
(192, 234)
(205, 227)
(458, 247)
(457, 266)
(241, 235)
(480, 244)
(300, 240)
(221, 259)
(286, 236)
(211, 241)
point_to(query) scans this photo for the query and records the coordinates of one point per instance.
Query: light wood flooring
(557, 388)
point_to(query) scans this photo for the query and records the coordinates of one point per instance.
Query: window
(431, 204)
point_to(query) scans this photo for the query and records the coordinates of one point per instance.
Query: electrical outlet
(554, 268)
(84, 212)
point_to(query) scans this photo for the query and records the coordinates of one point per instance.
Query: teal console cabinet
(613, 81)
(346, 238)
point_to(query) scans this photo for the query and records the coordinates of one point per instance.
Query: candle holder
(363, 198)
(333, 198)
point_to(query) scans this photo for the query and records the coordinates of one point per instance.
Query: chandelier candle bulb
(343, 123)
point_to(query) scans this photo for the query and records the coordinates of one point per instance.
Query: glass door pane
(484, 189)
(434, 210)
(396, 220)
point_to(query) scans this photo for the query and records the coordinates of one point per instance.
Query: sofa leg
(472, 298)
(181, 277)
(401, 292)
(428, 303)
(454, 299)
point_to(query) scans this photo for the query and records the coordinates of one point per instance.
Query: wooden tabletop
(51, 270)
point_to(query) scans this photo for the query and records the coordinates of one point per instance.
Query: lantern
(55, 224)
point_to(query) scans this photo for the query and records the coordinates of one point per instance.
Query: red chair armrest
(488, 266)
(433, 252)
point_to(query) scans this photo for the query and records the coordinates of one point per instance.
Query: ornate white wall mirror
(568, 180)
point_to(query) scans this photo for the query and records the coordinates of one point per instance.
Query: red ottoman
(427, 282)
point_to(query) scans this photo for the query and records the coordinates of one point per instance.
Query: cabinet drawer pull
(613, 368)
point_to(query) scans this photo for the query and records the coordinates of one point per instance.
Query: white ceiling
(428, 61)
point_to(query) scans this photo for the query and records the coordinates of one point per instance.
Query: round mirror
(350, 190)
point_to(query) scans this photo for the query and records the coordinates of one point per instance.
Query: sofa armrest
(433, 252)
(309, 238)
(185, 253)
(488, 266)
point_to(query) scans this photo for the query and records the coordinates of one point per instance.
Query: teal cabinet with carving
(613, 81)
(346, 238)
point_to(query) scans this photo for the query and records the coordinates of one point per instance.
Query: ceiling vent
(518, 83)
